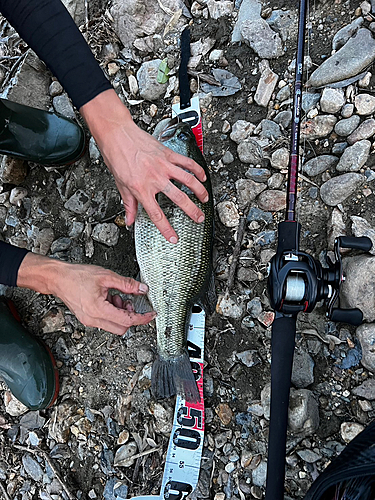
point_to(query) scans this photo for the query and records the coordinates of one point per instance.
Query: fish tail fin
(170, 377)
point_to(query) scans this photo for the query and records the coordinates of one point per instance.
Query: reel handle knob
(349, 316)
(358, 243)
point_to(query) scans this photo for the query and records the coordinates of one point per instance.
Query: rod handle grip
(349, 316)
(358, 243)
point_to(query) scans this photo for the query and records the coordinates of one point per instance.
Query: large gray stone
(354, 157)
(358, 289)
(356, 55)
(366, 336)
(149, 87)
(336, 190)
(303, 369)
(76, 9)
(303, 415)
(262, 39)
(249, 11)
(319, 126)
(318, 165)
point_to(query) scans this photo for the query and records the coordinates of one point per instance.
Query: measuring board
(182, 466)
(192, 116)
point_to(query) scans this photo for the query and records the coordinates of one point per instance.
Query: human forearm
(40, 273)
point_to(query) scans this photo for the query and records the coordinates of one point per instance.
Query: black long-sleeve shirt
(47, 27)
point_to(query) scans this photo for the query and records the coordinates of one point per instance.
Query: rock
(347, 126)
(55, 89)
(247, 274)
(309, 100)
(228, 307)
(266, 85)
(303, 369)
(78, 203)
(364, 131)
(347, 110)
(107, 233)
(60, 245)
(319, 164)
(303, 415)
(149, 88)
(13, 171)
(338, 189)
(42, 240)
(356, 55)
(249, 10)
(248, 190)
(354, 157)
(280, 158)
(308, 456)
(13, 406)
(343, 35)
(332, 100)
(32, 420)
(227, 158)
(349, 430)
(284, 119)
(249, 358)
(358, 289)
(224, 413)
(53, 321)
(259, 215)
(249, 151)
(366, 336)
(366, 390)
(62, 105)
(259, 475)
(135, 19)
(93, 150)
(262, 39)
(17, 195)
(320, 126)
(336, 227)
(270, 130)
(219, 8)
(241, 130)
(63, 416)
(361, 227)
(254, 307)
(162, 418)
(272, 201)
(284, 22)
(228, 213)
(266, 318)
(32, 468)
(30, 84)
(365, 104)
(338, 148)
(76, 10)
(124, 455)
(265, 398)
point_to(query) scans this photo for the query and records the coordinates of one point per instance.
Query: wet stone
(318, 165)
(338, 189)
(107, 233)
(347, 126)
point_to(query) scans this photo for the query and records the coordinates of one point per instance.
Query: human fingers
(158, 217)
(130, 204)
(184, 202)
(123, 284)
(112, 327)
(188, 164)
(117, 301)
(122, 317)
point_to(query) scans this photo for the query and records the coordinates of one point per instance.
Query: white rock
(228, 307)
(349, 430)
(365, 104)
(332, 100)
(220, 8)
(17, 195)
(13, 406)
(228, 213)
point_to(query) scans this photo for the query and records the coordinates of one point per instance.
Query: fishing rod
(296, 282)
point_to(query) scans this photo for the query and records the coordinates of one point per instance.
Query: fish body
(178, 275)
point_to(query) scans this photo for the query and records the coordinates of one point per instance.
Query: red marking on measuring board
(192, 116)
(182, 465)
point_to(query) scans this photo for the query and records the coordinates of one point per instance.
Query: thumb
(125, 285)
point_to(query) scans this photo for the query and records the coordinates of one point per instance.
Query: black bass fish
(178, 275)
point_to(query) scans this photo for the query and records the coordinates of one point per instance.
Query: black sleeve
(47, 27)
(10, 261)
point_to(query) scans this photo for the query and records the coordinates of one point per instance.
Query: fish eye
(183, 136)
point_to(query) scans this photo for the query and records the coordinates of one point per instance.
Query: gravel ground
(106, 437)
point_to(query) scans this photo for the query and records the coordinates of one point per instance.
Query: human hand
(84, 289)
(141, 165)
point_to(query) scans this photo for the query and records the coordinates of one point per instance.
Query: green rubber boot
(26, 364)
(39, 136)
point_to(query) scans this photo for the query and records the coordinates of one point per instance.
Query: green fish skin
(178, 275)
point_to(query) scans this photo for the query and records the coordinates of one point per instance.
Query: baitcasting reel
(297, 281)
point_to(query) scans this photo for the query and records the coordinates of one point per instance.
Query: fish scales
(178, 276)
